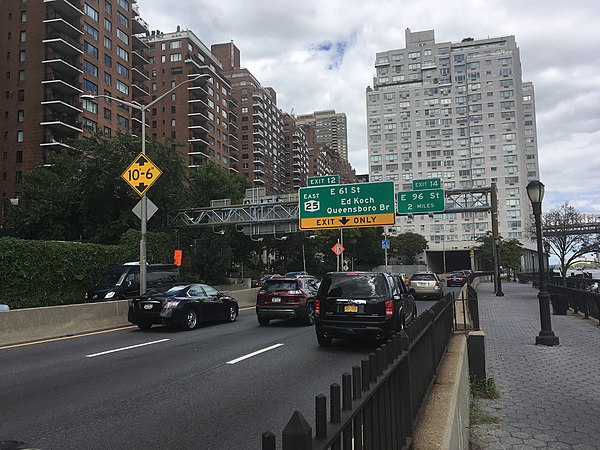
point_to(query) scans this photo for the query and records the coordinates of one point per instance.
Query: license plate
(147, 306)
(275, 299)
(350, 308)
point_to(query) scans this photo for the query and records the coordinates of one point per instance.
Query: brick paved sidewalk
(549, 396)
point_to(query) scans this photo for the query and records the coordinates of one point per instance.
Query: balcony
(60, 25)
(139, 25)
(140, 90)
(259, 182)
(63, 65)
(197, 106)
(55, 142)
(62, 124)
(65, 8)
(198, 127)
(137, 43)
(258, 162)
(139, 74)
(259, 171)
(137, 59)
(63, 44)
(62, 84)
(62, 104)
(197, 139)
(197, 118)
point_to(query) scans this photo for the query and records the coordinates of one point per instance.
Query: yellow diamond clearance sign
(347, 206)
(141, 174)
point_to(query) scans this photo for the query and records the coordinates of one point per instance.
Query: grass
(482, 389)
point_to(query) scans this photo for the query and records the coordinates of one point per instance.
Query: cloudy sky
(319, 54)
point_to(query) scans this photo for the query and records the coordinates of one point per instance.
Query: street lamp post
(547, 248)
(499, 292)
(535, 192)
(144, 201)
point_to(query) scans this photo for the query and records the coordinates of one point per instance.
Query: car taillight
(437, 283)
(389, 308)
(317, 307)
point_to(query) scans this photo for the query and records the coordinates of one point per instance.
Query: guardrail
(584, 301)
(377, 406)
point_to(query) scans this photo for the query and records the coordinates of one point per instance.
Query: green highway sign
(429, 183)
(323, 181)
(347, 206)
(420, 202)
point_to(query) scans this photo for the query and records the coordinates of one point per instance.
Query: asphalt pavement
(549, 396)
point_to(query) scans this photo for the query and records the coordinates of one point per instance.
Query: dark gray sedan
(182, 306)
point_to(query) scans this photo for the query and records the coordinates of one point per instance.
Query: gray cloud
(320, 55)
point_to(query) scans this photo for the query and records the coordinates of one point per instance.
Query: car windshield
(423, 277)
(456, 274)
(353, 285)
(279, 286)
(111, 279)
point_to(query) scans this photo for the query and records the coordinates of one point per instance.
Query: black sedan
(182, 306)
(456, 279)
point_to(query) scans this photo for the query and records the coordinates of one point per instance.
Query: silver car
(426, 284)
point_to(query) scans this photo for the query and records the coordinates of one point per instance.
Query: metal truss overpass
(280, 214)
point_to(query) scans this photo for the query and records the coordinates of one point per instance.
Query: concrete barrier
(444, 423)
(30, 324)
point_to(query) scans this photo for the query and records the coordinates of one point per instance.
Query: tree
(406, 247)
(566, 245)
(80, 195)
(510, 251)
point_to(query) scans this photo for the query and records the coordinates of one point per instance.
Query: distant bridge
(589, 224)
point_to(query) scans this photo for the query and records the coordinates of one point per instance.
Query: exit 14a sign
(420, 202)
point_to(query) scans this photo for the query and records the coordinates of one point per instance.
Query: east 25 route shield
(347, 206)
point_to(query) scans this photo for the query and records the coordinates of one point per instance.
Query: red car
(287, 298)
(456, 279)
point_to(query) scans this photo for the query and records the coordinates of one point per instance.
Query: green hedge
(47, 273)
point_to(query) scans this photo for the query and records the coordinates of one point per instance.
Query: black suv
(362, 304)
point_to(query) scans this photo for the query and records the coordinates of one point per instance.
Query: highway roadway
(216, 387)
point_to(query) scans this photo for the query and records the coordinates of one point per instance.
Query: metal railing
(580, 300)
(378, 405)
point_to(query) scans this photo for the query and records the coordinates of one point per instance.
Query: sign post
(347, 206)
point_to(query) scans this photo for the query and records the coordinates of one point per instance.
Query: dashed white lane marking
(125, 348)
(250, 355)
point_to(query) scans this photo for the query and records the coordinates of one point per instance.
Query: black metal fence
(378, 405)
(580, 300)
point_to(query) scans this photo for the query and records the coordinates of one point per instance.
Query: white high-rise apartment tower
(459, 112)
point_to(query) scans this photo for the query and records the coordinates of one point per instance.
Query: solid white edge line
(125, 348)
(250, 355)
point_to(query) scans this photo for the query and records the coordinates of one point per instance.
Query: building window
(123, 4)
(176, 57)
(91, 12)
(122, 87)
(123, 36)
(90, 50)
(88, 86)
(19, 157)
(122, 53)
(122, 19)
(90, 68)
(23, 36)
(20, 136)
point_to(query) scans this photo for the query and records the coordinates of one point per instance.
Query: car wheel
(324, 341)
(232, 314)
(191, 320)
(144, 325)
(263, 322)
(310, 315)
